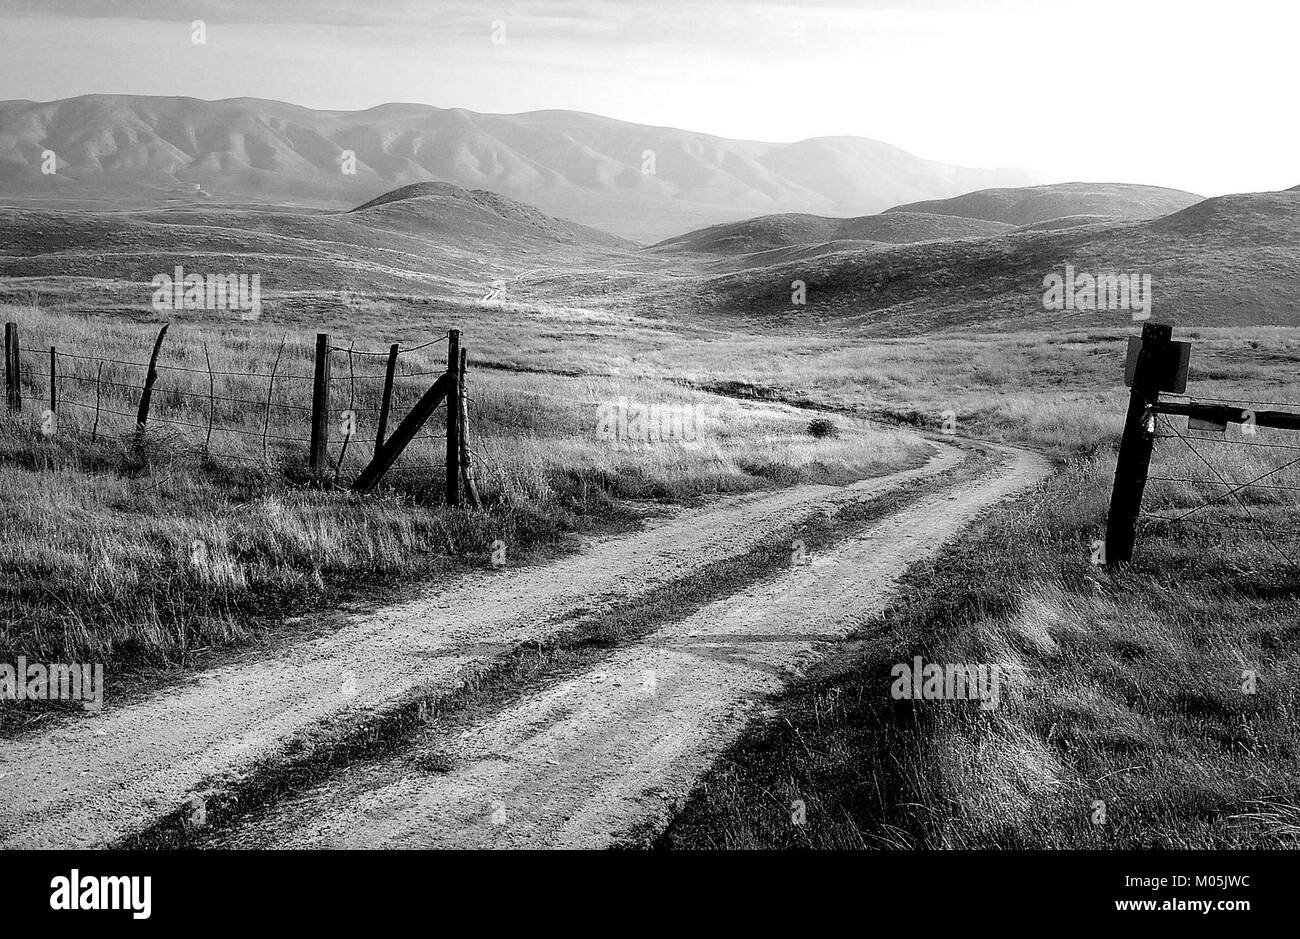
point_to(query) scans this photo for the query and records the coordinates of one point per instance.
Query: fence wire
(1221, 488)
(99, 395)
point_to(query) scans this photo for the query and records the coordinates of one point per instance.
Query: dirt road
(96, 779)
(615, 749)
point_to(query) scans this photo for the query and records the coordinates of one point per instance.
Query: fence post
(1135, 446)
(453, 417)
(13, 385)
(320, 405)
(466, 458)
(99, 382)
(212, 401)
(54, 377)
(151, 376)
(387, 398)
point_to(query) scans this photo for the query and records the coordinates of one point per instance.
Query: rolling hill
(441, 209)
(1030, 204)
(428, 239)
(137, 152)
(1225, 261)
(779, 231)
(1065, 221)
(1231, 260)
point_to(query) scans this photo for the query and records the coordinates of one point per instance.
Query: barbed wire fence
(1244, 481)
(1218, 488)
(320, 415)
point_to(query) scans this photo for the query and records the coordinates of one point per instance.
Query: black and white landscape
(574, 425)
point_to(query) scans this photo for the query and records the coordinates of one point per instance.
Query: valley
(936, 442)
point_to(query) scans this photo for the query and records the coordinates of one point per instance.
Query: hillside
(1030, 204)
(1231, 260)
(432, 209)
(428, 240)
(779, 231)
(1066, 221)
(136, 151)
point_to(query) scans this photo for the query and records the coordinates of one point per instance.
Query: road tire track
(98, 779)
(614, 750)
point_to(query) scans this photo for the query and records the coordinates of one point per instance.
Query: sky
(1192, 94)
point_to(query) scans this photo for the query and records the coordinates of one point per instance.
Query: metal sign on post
(1171, 368)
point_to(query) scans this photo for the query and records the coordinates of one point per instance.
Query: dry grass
(1124, 688)
(1058, 391)
(1125, 691)
(126, 549)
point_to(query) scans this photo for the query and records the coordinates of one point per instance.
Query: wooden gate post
(13, 382)
(320, 406)
(1135, 446)
(453, 417)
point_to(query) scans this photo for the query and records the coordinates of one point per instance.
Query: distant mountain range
(640, 182)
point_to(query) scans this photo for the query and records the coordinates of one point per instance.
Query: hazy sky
(1196, 95)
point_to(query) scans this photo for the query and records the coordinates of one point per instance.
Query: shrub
(823, 427)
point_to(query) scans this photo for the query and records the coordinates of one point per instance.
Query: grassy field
(1129, 716)
(145, 551)
(1125, 689)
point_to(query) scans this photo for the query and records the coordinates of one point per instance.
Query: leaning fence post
(270, 392)
(453, 417)
(320, 405)
(1134, 458)
(212, 401)
(151, 376)
(403, 434)
(387, 398)
(13, 383)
